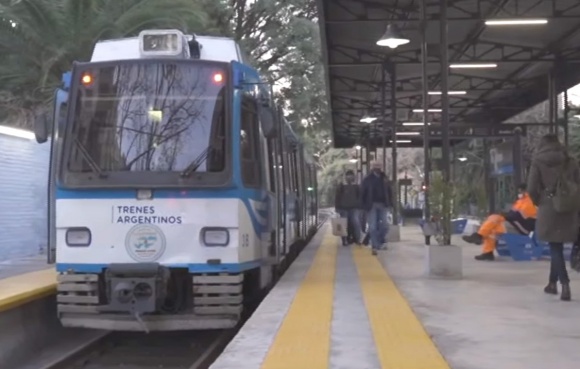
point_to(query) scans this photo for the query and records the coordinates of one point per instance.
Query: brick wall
(23, 197)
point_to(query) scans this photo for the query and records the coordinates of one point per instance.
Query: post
(406, 187)
(487, 177)
(383, 116)
(566, 113)
(393, 76)
(445, 124)
(517, 158)
(425, 80)
(551, 107)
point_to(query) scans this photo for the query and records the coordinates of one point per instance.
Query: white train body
(180, 248)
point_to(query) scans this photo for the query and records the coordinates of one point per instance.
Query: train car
(177, 190)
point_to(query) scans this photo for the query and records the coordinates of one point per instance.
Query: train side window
(250, 144)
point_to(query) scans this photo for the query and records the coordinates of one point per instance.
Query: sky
(574, 95)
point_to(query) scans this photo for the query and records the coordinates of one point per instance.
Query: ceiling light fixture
(367, 119)
(448, 92)
(473, 66)
(414, 124)
(515, 22)
(428, 110)
(392, 38)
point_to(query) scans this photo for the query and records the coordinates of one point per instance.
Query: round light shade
(392, 38)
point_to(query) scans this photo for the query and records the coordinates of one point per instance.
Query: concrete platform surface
(497, 316)
(337, 308)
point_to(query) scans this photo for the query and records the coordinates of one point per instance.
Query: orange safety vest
(525, 206)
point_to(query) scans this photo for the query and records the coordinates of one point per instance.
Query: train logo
(145, 243)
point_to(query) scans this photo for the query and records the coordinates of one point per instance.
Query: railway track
(159, 350)
(136, 350)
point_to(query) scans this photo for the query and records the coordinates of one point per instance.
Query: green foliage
(39, 40)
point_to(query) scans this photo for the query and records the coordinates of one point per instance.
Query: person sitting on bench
(521, 219)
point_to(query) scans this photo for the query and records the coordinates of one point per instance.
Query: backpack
(566, 192)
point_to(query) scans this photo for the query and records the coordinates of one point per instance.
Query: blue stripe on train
(193, 268)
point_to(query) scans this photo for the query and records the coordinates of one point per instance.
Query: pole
(445, 125)
(383, 117)
(393, 71)
(425, 80)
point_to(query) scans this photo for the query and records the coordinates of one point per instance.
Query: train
(177, 190)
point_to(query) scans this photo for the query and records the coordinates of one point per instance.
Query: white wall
(23, 197)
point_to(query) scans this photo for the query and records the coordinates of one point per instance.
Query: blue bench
(525, 248)
(519, 247)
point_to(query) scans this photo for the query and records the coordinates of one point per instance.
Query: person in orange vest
(521, 217)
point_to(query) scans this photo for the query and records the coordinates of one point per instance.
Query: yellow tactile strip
(400, 339)
(20, 289)
(303, 340)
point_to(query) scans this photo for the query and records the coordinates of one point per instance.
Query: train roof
(222, 49)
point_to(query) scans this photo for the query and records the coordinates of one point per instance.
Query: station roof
(524, 55)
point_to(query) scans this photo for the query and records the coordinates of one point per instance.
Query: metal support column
(489, 190)
(383, 116)
(446, 216)
(552, 102)
(393, 75)
(517, 159)
(425, 81)
(566, 119)
(367, 159)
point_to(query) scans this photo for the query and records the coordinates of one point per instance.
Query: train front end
(147, 222)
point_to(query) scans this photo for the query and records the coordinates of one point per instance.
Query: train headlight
(215, 236)
(161, 43)
(78, 237)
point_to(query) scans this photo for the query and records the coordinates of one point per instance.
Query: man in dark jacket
(347, 204)
(377, 197)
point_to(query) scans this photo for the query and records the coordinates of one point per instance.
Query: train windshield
(148, 116)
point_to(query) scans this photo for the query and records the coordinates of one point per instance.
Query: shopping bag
(339, 227)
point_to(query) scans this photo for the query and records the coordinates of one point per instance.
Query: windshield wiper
(92, 164)
(195, 164)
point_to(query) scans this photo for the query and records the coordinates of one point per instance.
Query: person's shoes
(488, 256)
(551, 289)
(566, 295)
(474, 238)
(374, 252)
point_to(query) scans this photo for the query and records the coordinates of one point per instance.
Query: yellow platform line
(20, 289)
(303, 340)
(400, 339)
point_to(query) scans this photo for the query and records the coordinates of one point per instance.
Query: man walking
(377, 197)
(347, 204)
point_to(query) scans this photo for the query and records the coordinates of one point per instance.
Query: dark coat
(373, 187)
(551, 226)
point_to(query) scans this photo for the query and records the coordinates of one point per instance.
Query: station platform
(24, 280)
(338, 307)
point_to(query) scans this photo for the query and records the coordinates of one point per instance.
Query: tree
(39, 40)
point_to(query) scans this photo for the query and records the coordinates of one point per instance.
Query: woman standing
(551, 161)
